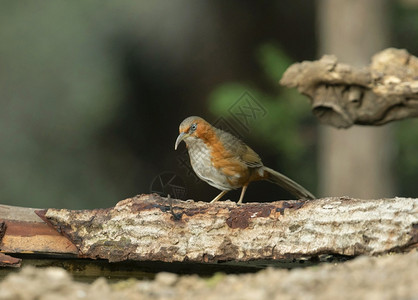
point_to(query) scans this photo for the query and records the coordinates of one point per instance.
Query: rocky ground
(387, 277)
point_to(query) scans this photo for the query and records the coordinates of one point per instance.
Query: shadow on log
(343, 95)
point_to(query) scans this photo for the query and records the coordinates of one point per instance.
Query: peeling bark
(152, 228)
(9, 261)
(343, 95)
(24, 232)
(6, 260)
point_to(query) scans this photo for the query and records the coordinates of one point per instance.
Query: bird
(227, 163)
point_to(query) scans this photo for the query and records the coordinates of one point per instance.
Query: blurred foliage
(64, 68)
(81, 82)
(405, 29)
(56, 93)
(405, 35)
(287, 126)
(406, 166)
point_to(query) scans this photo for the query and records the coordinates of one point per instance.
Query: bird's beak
(181, 137)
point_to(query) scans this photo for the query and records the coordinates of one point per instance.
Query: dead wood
(152, 228)
(344, 95)
(9, 261)
(22, 231)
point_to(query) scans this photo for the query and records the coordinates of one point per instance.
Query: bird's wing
(239, 149)
(250, 158)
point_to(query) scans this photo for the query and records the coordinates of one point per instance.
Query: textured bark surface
(343, 95)
(149, 227)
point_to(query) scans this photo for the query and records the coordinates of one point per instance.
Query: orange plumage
(227, 163)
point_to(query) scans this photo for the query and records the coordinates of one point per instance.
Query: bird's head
(192, 128)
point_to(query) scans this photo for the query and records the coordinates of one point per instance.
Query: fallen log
(343, 95)
(149, 227)
(152, 228)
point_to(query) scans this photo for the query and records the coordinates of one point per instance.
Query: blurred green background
(92, 93)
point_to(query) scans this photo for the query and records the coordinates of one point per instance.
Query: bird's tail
(288, 184)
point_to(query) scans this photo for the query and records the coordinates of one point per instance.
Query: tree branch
(344, 95)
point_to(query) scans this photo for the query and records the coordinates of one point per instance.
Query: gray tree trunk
(354, 162)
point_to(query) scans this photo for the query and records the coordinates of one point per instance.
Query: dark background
(92, 94)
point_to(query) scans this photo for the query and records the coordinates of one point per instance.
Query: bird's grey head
(190, 130)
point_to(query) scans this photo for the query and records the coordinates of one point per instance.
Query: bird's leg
(219, 196)
(244, 188)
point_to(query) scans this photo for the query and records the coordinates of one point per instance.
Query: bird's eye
(193, 127)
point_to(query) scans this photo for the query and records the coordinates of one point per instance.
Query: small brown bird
(227, 163)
